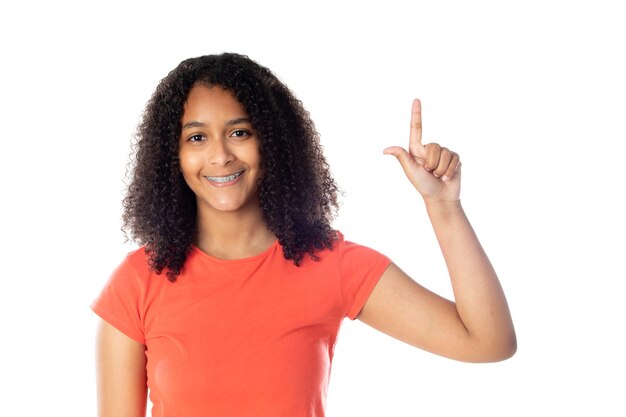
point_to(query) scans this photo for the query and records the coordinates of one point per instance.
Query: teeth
(224, 179)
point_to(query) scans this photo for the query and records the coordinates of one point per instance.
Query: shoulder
(351, 255)
(350, 249)
(138, 258)
(134, 269)
(359, 268)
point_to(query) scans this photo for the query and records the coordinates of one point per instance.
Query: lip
(221, 183)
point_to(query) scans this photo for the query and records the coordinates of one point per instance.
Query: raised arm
(477, 327)
(121, 368)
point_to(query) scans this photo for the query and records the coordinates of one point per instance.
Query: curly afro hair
(298, 196)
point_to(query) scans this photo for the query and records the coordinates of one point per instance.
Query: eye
(195, 138)
(240, 133)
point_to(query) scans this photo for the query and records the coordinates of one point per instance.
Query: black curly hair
(298, 196)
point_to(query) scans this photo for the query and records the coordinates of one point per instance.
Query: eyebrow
(194, 123)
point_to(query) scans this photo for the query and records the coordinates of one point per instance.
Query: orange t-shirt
(245, 337)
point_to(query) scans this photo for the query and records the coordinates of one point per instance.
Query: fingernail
(445, 178)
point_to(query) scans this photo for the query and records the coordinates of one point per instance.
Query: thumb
(410, 165)
(402, 155)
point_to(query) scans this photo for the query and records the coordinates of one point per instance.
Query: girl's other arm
(121, 374)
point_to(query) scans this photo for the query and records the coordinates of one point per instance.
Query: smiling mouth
(224, 179)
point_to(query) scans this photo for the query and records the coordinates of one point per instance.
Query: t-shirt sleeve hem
(118, 325)
(367, 288)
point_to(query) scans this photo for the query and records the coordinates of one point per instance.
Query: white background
(531, 94)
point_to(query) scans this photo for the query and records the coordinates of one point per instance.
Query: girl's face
(219, 151)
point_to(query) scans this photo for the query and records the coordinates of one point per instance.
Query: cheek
(253, 155)
(188, 162)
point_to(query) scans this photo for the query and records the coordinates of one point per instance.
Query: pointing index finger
(415, 138)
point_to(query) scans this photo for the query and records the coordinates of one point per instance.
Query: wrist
(443, 208)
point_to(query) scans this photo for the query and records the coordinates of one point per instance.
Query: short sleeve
(119, 302)
(360, 269)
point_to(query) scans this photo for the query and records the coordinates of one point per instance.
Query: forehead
(211, 102)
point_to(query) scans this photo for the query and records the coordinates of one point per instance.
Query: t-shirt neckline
(266, 252)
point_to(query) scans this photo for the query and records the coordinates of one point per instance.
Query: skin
(218, 140)
(477, 327)
(121, 374)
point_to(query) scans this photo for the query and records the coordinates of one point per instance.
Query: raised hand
(433, 170)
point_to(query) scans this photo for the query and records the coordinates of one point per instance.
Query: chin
(229, 206)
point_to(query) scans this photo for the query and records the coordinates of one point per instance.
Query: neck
(233, 235)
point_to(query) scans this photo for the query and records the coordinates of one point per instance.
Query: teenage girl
(232, 304)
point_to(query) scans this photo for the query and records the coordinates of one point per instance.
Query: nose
(220, 153)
